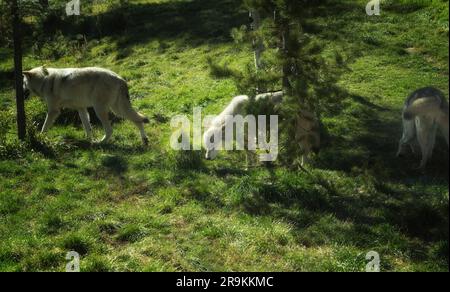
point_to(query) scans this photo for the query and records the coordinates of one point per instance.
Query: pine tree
(17, 39)
(292, 60)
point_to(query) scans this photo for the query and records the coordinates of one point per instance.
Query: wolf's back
(423, 107)
(425, 102)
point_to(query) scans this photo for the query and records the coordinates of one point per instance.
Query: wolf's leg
(144, 136)
(409, 134)
(425, 137)
(85, 120)
(413, 150)
(444, 131)
(52, 115)
(103, 116)
(304, 160)
(432, 140)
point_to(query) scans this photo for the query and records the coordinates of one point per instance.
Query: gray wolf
(79, 89)
(425, 111)
(307, 126)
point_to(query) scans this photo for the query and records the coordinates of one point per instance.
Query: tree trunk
(287, 66)
(258, 45)
(20, 104)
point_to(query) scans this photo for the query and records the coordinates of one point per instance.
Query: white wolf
(80, 89)
(307, 127)
(237, 106)
(424, 112)
(218, 124)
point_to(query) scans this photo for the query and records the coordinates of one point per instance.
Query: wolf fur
(307, 125)
(218, 124)
(79, 89)
(426, 110)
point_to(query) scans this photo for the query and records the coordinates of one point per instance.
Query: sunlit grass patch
(127, 207)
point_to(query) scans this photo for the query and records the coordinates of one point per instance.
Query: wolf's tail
(423, 107)
(122, 107)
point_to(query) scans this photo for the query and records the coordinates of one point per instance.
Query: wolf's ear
(26, 74)
(45, 70)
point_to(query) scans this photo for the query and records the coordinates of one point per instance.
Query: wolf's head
(33, 81)
(209, 140)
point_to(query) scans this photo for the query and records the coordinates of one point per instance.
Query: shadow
(221, 72)
(191, 23)
(403, 7)
(414, 216)
(332, 12)
(185, 161)
(364, 101)
(40, 146)
(311, 212)
(160, 118)
(6, 80)
(373, 145)
(115, 164)
(226, 171)
(308, 201)
(330, 23)
(71, 117)
(111, 148)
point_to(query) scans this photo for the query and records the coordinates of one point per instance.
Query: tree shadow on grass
(113, 157)
(390, 213)
(194, 22)
(188, 23)
(116, 164)
(381, 210)
(6, 79)
(111, 147)
(364, 101)
(387, 218)
(373, 143)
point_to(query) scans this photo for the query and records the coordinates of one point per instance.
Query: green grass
(124, 207)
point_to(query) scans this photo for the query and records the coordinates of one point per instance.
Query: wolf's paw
(103, 141)
(145, 141)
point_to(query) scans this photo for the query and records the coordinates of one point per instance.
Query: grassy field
(125, 207)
